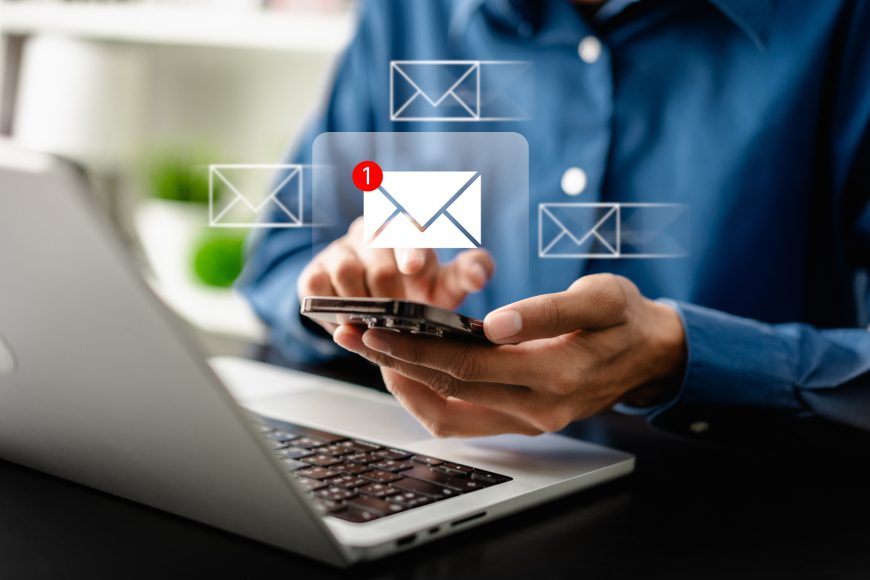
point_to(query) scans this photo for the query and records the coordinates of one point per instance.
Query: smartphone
(390, 314)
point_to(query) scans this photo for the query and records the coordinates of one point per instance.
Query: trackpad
(364, 415)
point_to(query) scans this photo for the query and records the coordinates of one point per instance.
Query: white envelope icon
(424, 209)
(245, 208)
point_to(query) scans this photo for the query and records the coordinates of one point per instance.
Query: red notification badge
(368, 176)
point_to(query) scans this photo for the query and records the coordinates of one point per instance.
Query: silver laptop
(101, 384)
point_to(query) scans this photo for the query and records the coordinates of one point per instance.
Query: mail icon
(612, 230)
(459, 90)
(255, 195)
(424, 209)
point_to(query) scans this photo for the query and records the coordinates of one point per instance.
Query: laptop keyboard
(359, 481)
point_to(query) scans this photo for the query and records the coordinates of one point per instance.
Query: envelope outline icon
(608, 214)
(612, 216)
(400, 72)
(424, 209)
(290, 175)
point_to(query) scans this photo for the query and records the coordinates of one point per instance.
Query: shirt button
(589, 49)
(699, 427)
(573, 181)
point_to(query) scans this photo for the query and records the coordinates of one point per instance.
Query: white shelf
(180, 26)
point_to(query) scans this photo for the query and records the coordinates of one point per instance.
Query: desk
(687, 512)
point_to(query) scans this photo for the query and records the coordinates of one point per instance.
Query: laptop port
(404, 541)
(466, 520)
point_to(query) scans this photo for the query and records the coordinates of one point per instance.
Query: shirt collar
(751, 16)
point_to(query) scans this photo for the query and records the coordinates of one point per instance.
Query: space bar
(425, 488)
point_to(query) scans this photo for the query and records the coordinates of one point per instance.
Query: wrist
(666, 352)
(668, 342)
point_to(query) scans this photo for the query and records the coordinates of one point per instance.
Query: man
(754, 111)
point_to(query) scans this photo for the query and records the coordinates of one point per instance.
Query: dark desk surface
(688, 511)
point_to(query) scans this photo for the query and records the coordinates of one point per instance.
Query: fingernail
(409, 260)
(478, 275)
(503, 324)
(402, 259)
(376, 342)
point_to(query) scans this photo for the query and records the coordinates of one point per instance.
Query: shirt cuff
(731, 362)
(300, 339)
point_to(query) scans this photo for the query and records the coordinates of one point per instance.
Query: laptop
(101, 384)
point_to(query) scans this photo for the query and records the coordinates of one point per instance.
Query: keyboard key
(276, 445)
(427, 460)
(394, 466)
(426, 488)
(466, 484)
(365, 446)
(408, 499)
(334, 493)
(294, 453)
(362, 458)
(457, 467)
(372, 504)
(489, 478)
(352, 468)
(354, 515)
(292, 464)
(394, 454)
(348, 481)
(341, 448)
(380, 476)
(377, 489)
(311, 484)
(322, 460)
(426, 474)
(281, 436)
(450, 471)
(308, 442)
(263, 428)
(316, 472)
(326, 506)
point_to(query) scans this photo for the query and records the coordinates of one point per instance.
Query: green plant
(218, 258)
(181, 179)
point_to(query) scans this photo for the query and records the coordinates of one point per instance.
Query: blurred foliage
(181, 178)
(218, 258)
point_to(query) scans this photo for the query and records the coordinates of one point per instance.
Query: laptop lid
(100, 384)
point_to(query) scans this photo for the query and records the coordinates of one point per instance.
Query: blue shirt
(756, 113)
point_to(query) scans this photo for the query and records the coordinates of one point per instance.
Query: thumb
(592, 303)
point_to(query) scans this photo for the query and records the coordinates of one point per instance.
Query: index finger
(412, 261)
(467, 362)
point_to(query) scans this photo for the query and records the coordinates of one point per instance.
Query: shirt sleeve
(779, 370)
(277, 256)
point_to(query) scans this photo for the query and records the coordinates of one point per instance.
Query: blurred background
(144, 95)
